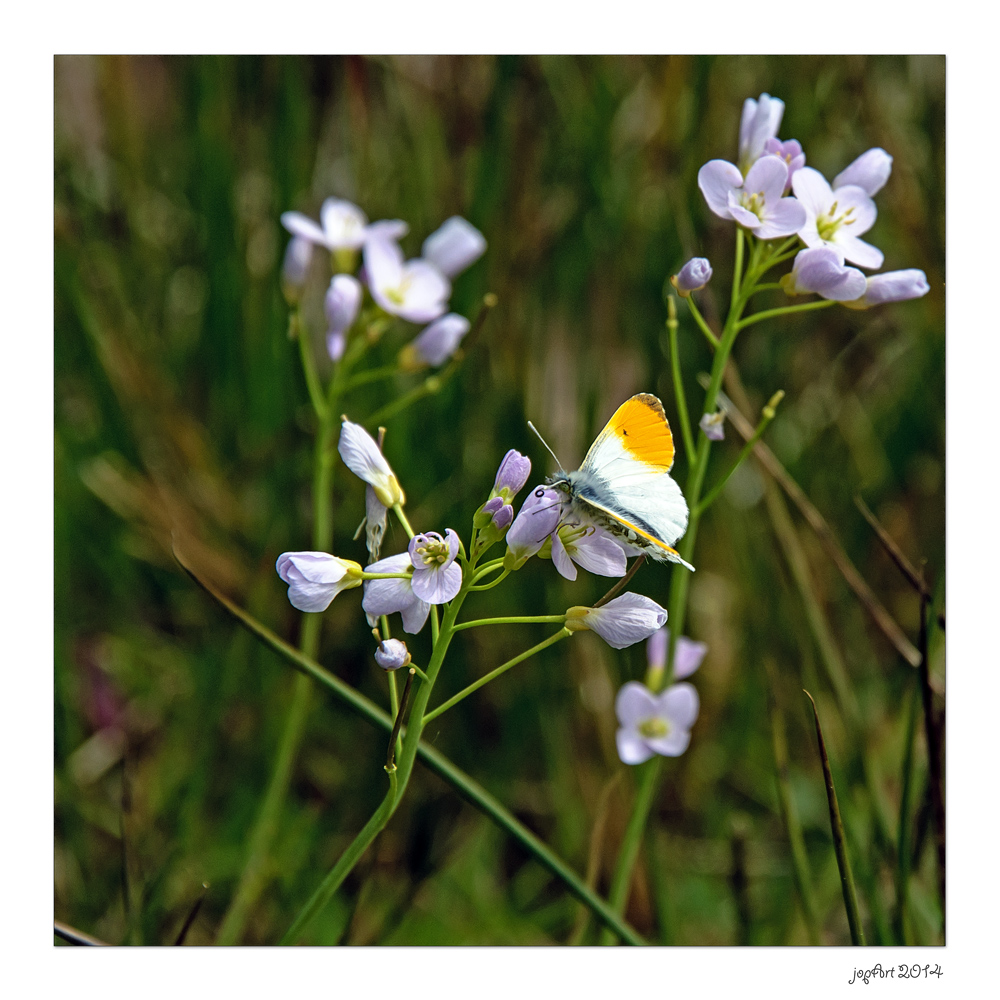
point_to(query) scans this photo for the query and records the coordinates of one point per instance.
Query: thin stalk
(514, 620)
(494, 674)
(468, 788)
(839, 840)
(632, 841)
(784, 311)
(622, 583)
(73, 936)
(309, 367)
(702, 325)
(903, 849)
(675, 368)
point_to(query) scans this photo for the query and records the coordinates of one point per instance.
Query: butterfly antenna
(545, 443)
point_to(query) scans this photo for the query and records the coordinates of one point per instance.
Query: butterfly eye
(539, 493)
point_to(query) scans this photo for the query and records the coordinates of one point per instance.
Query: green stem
(513, 620)
(675, 368)
(398, 511)
(494, 674)
(784, 311)
(309, 367)
(489, 586)
(372, 375)
(767, 415)
(905, 823)
(632, 841)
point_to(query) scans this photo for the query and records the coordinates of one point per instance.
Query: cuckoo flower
(587, 546)
(435, 344)
(627, 619)
(757, 203)
(413, 290)
(436, 578)
(512, 475)
(791, 152)
(759, 122)
(315, 578)
(343, 226)
(836, 218)
(362, 456)
(652, 723)
(821, 270)
(692, 277)
(892, 286)
(386, 597)
(869, 171)
(537, 519)
(454, 247)
(688, 654)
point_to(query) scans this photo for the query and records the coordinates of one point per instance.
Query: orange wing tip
(641, 426)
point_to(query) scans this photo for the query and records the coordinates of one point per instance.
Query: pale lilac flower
(692, 277)
(836, 218)
(822, 270)
(587, 546)
(454, 247)
(343, 225)
(414, 290)
(759, 122)
(869, 171)
(436, 343)
(654, 723)
(295, 268)
(621, 622)
(688, 654)
(392, 654)
(386, 229)
(436, 577)
(537, 519)
(512, 475)
(791, 152)
(343, 300)
(712, 425)
(756, 203)
(315, 578)
(362, 456)
(386, 597)
(892, 286)
(503, 517)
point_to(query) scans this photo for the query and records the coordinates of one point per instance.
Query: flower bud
(869, 171)
(343, 299)
(627, 619)
(315, 578)
(362, 456)
(712, 425)
(454, 247)
(893, 286)
(694, 275)
(392, 654)
(435, 344)
(512, 474)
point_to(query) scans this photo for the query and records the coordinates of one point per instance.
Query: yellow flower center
(653, 728)
(434, 552)
(828, 223)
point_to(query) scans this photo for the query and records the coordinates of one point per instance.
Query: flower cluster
(414, 290)
(773, 194)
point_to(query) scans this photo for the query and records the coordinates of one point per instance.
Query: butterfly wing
(625, 474)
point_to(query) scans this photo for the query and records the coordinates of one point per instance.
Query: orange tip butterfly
(624, 484)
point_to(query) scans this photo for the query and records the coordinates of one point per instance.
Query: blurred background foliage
(181, 409)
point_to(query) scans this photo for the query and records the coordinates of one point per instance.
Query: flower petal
(437, 586)
(362, 456)
(863, 210)
(656, 649)
(302, 226)
(859, 252)
(784, 217)
(415, 616)
(688, 656)
(671, 745)
(632, 748)
(716, 179)
(343, 223)
(767, 177)
(454, 247)
(679, 704)
(869, 171)
(561, 559)
(383, 265)
(634, 703)
(599, 554)
(627, 619)
(812, 190)
(425, 292)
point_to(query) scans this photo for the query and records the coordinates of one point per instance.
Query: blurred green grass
(180, 407)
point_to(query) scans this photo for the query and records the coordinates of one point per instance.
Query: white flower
(386, 597)
(454, 247)
(654, 723)
(362, 456)
(836, 219)
(414, 290)
(757, 202)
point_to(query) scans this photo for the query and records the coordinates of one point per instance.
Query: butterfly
(624, 484)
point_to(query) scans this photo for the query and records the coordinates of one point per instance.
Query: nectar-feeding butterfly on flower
(624, 483)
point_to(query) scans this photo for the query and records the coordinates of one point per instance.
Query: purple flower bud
(512, 474)
(493, 505)
(694, 275)
(537, 519)
(821, 270)
(436, 343)
(343, 299)
(791, 152)
(336, 344)
(454, 247)
(893, 286)
(712, 425)
(869, 171)
(503, 517)
(392, 654)
(759, 122)
(627, 619)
